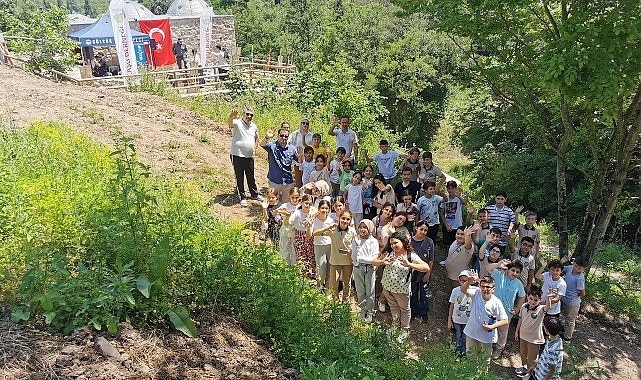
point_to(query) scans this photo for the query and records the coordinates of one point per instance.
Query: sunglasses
(304, 123)
(284, 136)
(249, 114)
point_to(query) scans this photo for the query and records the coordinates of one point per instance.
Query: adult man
(300, 139)
(220, 61)
(280, 155)
(179, 49)
(385, 160)
(345, 137)
(501, 216)
(243, 143)
(100, 68)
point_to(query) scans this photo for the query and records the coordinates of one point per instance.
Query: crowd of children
(345, 225)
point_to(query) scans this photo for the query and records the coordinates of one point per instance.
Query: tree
(567, 68)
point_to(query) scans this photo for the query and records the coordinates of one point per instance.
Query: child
(551, 361)
(364, 251)
(575, 289)
(409, 208)
(320, 171)
(529, 329)
(451, 211)
(459, 313)
(430, 172)
(318, 149)
(413, 187)
(524, 255)
(334, 170)
(528, 229)
(486, 316)
(338, 206)
(286, 241)
(354, 198)
(346, 174)
(428, 206)
(413, 163)
(307, 164)
(341, 258)
(554, 284)
(272, 220)
(511, 293)
(300, 220)
(319, 231)
(482, 218)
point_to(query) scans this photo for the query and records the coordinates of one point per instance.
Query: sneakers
(259, 198)
(368, 317)
(424, 318)
(496, 353)
(520, 371)
(243, 202)
(381, 307)
(402, 336)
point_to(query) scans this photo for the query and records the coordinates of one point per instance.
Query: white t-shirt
(342, 139)
(243, 138)
(334, 177)
(385, 163)
(318, 224)
(482, 311)
(355, 198)
(428, 209)
(307, 168)
(462, 305)
(297, 220)
(549, 284)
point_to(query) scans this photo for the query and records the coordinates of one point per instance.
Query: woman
(382, 192)
(424, 248)
(369, 211)
(320, 230)
(303, 246)
(397, 280)
(341, 258)
(364, 251)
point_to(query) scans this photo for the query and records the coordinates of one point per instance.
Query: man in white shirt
(243, 145)
(345, 137)
(300, 139)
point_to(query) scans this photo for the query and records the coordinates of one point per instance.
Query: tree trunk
(561, 177)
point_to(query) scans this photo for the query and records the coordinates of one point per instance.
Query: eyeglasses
(487, 287)
(284, 136)
(249, 114)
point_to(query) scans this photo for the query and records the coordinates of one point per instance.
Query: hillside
(182, 144)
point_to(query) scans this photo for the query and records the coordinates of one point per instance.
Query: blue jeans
(459, 338)
(419, 303)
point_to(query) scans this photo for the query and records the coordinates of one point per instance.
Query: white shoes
(402, 336)
(243, 202)
(381, 307)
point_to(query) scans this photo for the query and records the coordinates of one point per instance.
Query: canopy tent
(101, 34)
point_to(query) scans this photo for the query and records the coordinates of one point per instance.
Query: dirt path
(182, 144)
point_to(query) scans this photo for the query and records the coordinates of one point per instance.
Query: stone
(105, 348)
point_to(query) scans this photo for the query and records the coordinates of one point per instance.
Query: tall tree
(568, 68)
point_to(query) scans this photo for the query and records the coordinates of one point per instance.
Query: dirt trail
(182, 144)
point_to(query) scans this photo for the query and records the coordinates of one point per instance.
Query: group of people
(344, 225)
(218, 57)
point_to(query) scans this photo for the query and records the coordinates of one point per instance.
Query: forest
(544, 98)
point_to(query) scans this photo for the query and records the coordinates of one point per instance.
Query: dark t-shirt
(414, 187)
(425, 250)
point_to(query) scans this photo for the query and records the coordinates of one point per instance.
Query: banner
(159, 30)
(122, 37)
(205, 34)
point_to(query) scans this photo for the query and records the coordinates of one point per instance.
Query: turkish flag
(159, 30)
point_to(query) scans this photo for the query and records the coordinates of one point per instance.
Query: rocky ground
(182, 144)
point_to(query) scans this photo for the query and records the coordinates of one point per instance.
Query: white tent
(188, 8)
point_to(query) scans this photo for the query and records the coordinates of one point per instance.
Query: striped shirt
(501, 219)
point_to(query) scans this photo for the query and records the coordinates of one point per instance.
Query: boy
(524, 254)
(554, 284)
(528, 229)
(320, 171)
(511, 293)
(486, 316)
(385, 160)
(459, 313)
(529, 329)
(412, 162)
(428, 206)
(307, 164)
(501, 216)
(346, 175)
(489, 253)
(407, 184)
(551, 361)
(480, 235)
(318, 149)
(429, 171)
(451, 211)
(575, 289)
(334, 170)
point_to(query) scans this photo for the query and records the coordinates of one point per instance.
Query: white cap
(465, 273)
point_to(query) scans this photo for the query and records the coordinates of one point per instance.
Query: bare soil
(182, 144)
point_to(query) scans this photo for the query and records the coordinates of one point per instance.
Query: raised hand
(234, 113)
(270, 132)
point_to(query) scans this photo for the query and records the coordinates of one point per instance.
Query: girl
(382, 193)
(364, 251)
(387, 213)
(354, 196)
(369, 211)
(409, 208)
(346, 174)
(338, 206)
(341, 258)
(286, 243)
(396, 280)
(272, 220)
(424, 248)
(320, 230)
(303, 246)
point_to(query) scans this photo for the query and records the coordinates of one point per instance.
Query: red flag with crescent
(159, 31)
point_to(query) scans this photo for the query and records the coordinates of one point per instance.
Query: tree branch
(552, 21)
